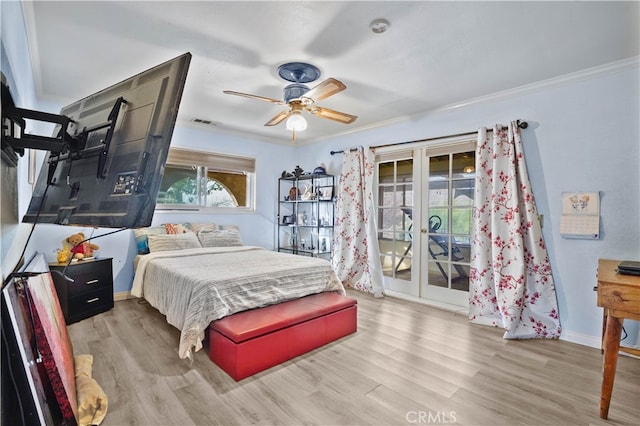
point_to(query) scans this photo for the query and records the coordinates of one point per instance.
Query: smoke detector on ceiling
(378, 26)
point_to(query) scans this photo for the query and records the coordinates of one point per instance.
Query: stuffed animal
(80, 251)
(64, 254)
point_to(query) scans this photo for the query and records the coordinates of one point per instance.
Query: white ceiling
(434, 55)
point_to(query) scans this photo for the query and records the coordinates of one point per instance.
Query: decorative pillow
(173, 242)
(220, 238)
(175, 228)
(208, 227)
(203, 227)
(92, 401)
(142, 237)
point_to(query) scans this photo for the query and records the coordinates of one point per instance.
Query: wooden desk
(619, 295)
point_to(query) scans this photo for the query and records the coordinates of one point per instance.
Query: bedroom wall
(16, 191)
(583, 135)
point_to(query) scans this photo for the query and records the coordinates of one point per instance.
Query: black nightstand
(90, 292)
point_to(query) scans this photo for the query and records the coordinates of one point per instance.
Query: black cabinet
(90, 292)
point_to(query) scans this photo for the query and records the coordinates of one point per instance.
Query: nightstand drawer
(90, 304)
(88, 281)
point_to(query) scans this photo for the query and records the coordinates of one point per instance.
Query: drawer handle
(92, 282)
(95, 299)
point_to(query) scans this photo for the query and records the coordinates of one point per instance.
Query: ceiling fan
(299, 97)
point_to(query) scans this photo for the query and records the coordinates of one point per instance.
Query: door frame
(417, 286)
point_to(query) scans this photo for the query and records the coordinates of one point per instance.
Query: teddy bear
(81, 251)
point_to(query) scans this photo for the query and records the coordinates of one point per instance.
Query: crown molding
(586, 74)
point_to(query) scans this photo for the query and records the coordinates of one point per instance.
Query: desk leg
(610, 361)
(604, 328)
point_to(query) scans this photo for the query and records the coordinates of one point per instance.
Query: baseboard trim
(581, 339)
(432, 303)
(122, 295)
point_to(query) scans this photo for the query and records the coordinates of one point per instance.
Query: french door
(425, 203)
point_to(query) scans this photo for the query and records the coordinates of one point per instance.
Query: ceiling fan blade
(279, 118)
(327, 88)
(332, 115)
(260, 98)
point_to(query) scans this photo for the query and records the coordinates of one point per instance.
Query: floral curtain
(356, 256)
(511, 285)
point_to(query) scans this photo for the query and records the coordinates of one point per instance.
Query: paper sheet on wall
(580, 215)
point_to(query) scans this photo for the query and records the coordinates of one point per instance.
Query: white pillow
(173, 242)
(220, 238)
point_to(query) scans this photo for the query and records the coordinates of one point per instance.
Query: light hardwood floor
(406, 364)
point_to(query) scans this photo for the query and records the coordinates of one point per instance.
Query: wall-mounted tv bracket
(78, 149)
(111, 124)
(14, 140)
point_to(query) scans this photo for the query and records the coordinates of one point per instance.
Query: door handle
(424, 230)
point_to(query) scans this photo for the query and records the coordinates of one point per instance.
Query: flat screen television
(111, 175)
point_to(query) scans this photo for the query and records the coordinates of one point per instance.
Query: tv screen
(111, 175)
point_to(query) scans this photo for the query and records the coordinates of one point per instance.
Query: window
(205, 181)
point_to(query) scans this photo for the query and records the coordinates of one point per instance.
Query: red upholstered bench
(251, 341)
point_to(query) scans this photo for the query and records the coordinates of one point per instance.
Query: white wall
(583, 135)
(16, 67)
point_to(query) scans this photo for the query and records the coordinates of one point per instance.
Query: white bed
(196, 286)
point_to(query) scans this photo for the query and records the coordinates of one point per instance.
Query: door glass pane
(439, 193)
(463, 192)
(438, 168)
(395, 211)
(461, 221)
(403, 196)
(388, 222)
(404, 170)
(463, 164)
(450, 207)
(439, 220)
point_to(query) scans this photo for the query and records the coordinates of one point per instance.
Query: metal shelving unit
(306, 215)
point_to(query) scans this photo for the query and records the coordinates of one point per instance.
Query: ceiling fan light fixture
(296, 122)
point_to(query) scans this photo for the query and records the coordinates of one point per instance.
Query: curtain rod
(521, 124)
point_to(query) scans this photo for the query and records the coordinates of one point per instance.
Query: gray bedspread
(193, 287)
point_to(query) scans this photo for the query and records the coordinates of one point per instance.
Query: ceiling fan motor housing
(294, 91)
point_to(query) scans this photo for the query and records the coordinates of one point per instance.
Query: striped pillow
(173, 242)
(220, 238)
